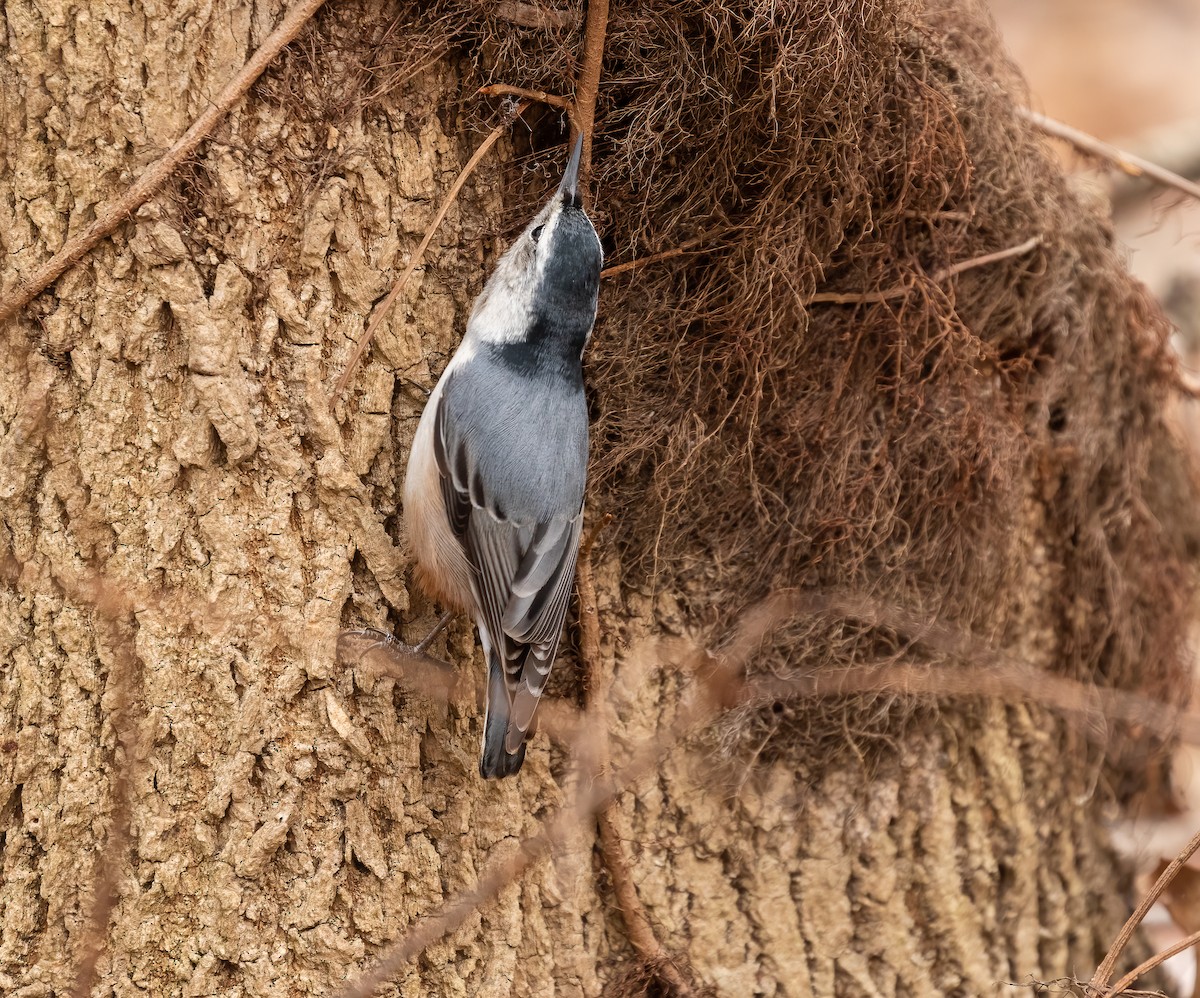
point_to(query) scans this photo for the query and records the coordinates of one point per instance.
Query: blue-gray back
(520, 430)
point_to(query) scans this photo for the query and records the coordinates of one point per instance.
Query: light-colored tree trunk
(186, 525)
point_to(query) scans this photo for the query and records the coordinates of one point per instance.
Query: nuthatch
(493, 496)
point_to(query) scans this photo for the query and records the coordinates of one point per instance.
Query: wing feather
(455, 496)
(547, 623)
(523, 570)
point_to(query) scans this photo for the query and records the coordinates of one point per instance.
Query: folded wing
(524, 569)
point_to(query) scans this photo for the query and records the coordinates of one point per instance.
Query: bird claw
(368, 641)
(408, 663)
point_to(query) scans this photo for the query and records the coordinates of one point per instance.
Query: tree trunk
(190, 518)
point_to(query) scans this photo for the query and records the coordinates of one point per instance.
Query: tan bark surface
(170, 461)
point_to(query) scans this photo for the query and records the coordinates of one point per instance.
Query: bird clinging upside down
(493, 495)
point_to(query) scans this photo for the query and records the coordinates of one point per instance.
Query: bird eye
(537, 233)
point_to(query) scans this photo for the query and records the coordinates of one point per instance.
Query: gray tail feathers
(495, 762)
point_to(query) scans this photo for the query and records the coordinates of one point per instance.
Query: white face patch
(501, 312)
(552, 211)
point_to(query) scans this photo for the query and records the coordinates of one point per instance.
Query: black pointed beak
(569, 188)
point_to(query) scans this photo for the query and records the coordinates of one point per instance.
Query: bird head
(550, 277)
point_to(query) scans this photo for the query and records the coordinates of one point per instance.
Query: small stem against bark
(1127, 162)
(726, 689)
(382, 310)
(1186, 384)
(504, 90)
(529, 16)
(589, 540)
(901, 290)
(612, 850)
(1154, 961)
(641, 934)
(1100, 979)
(112, 856)
(110, 216)
(683, 247)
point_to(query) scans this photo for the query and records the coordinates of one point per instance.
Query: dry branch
(721, 687)
(900, 290)
(111, 858)
(1174, 147)
(528, 15)
(384, 307)
(110, 216)
(990, 673)
(1127, 162)
(683, 247)
(1148, 965)
(1011, 682)
(504, 90)
(612, 850)
(1100, 978)
(637, 924)
(587, 86)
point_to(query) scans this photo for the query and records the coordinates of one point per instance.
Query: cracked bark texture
(165, 424)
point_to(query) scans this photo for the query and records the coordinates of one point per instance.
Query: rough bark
(177, 496)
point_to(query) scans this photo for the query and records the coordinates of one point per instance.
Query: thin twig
(1013, 683)
(721, 688)
(1100, 978)
(504, 90)
(641, 933)
(1127, 162)
(991, 673)
(594, 531)
(113, 618)
(1154, 961)
(414, 261)
(587, 86)
(432, 927)
(1174, 146)
(1186, 384)
(683, 247)
(110, 860)
(900, 290)
(612, 850)
(529, 16)
(110, 216)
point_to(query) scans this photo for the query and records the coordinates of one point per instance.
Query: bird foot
(365, 640)
(409, 663)
(368, 640)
